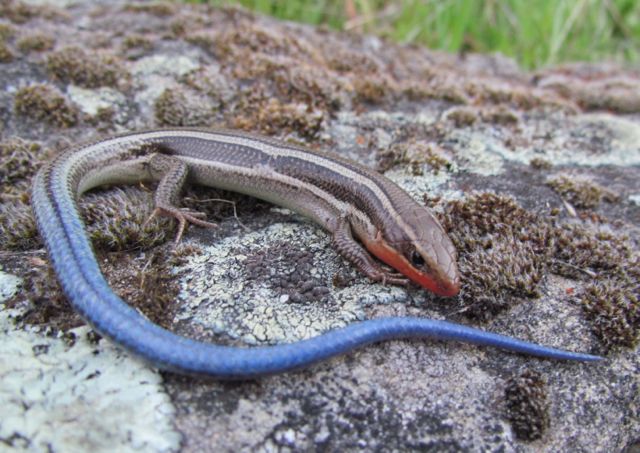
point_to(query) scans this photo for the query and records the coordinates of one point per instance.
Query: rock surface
(536, 176)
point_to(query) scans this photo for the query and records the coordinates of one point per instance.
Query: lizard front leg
(353, 252)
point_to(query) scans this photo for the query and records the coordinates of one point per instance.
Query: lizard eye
(416, 259)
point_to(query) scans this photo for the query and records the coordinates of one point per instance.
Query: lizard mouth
(441, 286)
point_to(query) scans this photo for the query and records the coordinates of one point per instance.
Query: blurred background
(536, 33)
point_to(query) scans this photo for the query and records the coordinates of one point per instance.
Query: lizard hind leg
(173, 174)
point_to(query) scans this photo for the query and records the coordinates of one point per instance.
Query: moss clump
(539, 163)
(613, 308)
(504, 251)
(580, 193)
(37, 42)
(6, 56)
(416, 155)
(18, 163)
(177, 107)
(140, 43)
(611, 300)
(272, 117)
(527, 405)
(74, 65)
(463, 116)
(590, 251)
(17, 226)
(372, 89)
(159, 9)
(18, 12)
(45, 103)
(116, 220)
(6, 31)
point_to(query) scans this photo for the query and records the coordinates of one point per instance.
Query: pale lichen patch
(91, 101)
(69, 394)
(273, 286)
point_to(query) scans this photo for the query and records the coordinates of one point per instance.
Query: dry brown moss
(615, 91)
(19, 161)
(539, 163)
(415, 155)
(463, 116)
(504, 251)
(613, 308)
(136, 45)
(612, 266)
(527, 405)
(45, 103)
(270, 116)
(75, 65)
(159, 9)
(18, 12)
(17, 226)
(372, 89)
(257, 39)
(6, 31)
(581, 193)
(6, 55)
(37, 42)
(116, 220)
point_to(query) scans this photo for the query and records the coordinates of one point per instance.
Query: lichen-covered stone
(475, 138)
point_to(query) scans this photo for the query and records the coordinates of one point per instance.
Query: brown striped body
(345, 198)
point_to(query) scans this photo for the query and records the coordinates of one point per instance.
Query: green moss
(580, 193)
(74, 65)
(45, 103)
(36, 42)
(177, 107)
(527, 405)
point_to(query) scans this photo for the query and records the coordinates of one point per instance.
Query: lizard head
(419, 248)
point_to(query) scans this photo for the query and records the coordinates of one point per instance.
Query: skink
(347, 199)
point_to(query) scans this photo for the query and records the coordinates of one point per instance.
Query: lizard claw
(184, 216)
(393, 278)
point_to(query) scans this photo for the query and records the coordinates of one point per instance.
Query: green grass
(535, 32)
